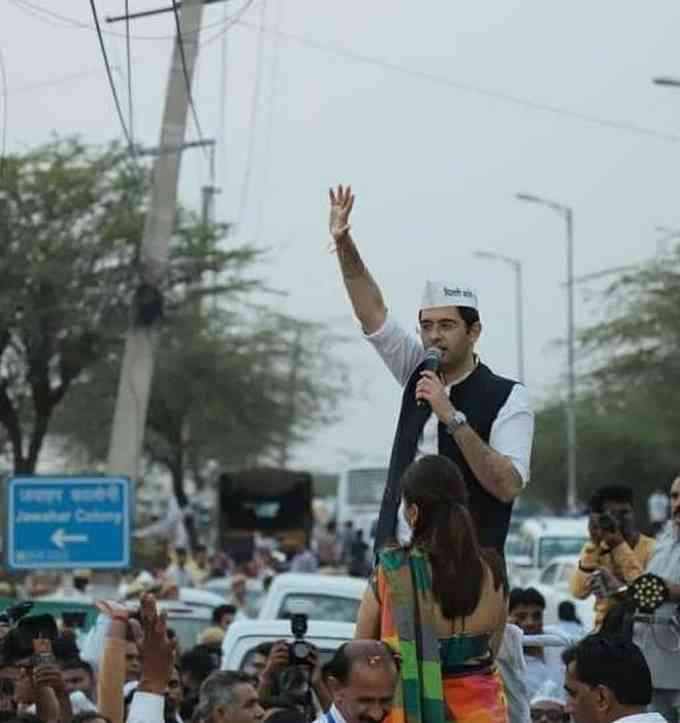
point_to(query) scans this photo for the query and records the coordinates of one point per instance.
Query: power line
(63, 21)
(55, 81)
(3, 147)
(250, 153)
(470, 88)
(187, 80)
(110, 77)
(129, 68)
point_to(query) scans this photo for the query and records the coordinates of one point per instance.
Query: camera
(299, 651)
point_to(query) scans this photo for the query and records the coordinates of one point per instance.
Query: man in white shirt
(481, 421)
(363, 677)
(228, 696)
(608, 680)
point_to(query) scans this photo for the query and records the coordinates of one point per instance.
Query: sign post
(68, 522)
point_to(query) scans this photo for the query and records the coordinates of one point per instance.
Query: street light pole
(567, 213)
(516, 265)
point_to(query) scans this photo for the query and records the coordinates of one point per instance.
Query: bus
(360, 492)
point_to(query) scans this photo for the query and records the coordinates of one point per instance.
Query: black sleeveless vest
(480, 397)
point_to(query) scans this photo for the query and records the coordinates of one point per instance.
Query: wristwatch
(457, 419)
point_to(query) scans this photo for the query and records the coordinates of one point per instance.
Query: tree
(628, 407)
(221, 393)
(71, 220)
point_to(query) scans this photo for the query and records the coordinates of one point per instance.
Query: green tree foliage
(628, 408)
(71, 221)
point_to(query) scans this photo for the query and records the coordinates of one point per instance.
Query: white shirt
(651, 717)
(511, 433)
(332, 713)
(146, 708)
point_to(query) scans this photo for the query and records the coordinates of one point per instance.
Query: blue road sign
(67, 522)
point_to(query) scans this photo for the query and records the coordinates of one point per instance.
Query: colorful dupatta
(407, 625)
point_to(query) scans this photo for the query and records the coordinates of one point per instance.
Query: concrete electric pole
(134, 386)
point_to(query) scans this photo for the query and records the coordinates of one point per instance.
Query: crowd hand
(342, 202)
(120, 613)
(431, 389)
(157, 650)
(49, 687)
(607, 583)
(279, 657)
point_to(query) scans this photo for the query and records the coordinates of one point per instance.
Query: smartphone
(42, 652)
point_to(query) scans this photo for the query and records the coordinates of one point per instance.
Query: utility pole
(136, 374)
(293, 380)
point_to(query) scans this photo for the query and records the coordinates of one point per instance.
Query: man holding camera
(617, 553)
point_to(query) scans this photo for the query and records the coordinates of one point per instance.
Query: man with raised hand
(481, 421)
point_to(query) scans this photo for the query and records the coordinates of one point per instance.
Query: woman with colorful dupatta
(440, 603)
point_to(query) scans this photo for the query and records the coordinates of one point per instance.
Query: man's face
(582, 699)
(368, 695)
(245, 708)
(675, 503)
(79, 679)
(256, 666)
(623, 513)
(133, 663)
(547, 711)
(444, 328)
(226, 620)
(529, 618)
(201, 558)
(181, 558)
(174, 691)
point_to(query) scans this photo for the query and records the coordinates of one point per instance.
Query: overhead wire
(185, 72)
(254, 108)
(109, 74)
(3, 142)
(129, 70)
(269, 121)
(500, 95)
(63, 21)
(55, 81)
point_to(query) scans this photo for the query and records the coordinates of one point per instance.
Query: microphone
(430, 363)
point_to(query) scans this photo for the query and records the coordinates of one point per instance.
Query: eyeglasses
(552, 715)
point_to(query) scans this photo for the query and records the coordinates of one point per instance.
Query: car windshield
(551, 547)
(187, 630)
(325, 607)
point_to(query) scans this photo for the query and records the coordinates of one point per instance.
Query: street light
(517, 266)
(567, 213)
(667, 81)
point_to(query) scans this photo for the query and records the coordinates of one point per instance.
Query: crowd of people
(440, 634)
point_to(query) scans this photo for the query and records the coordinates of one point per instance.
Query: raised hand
(342, 202)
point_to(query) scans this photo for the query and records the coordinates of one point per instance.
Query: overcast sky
(434, 158)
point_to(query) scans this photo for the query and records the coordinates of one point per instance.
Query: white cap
(442, 293)
(549, 692)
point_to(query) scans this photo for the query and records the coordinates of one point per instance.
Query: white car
(222, 586)
(334, 598)
(553, 584)
(244, 636)
(197, 598)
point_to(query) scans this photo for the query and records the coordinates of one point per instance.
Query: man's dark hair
(87, 716)
(566, 611)
(263, 649)
(76, 664)
(198, 663)
(615, 663)
(469, 315)
(221, 610)
(525, 596)
(611, 493)
(200, 548)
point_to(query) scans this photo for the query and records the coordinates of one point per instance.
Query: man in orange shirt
(617, 551)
